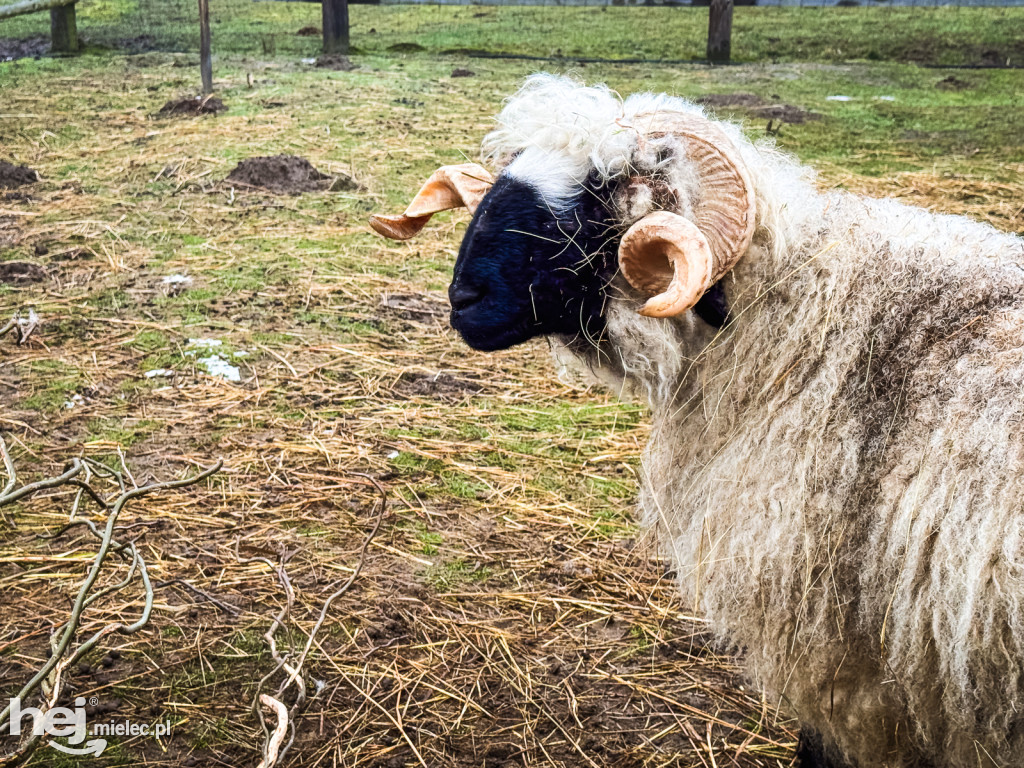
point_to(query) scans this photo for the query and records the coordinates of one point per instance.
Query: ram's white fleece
(839, 472)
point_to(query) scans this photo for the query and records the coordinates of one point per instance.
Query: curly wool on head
(555, 133)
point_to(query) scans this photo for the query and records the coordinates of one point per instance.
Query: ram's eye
(549, 226)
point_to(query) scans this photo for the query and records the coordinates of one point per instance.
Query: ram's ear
(666, 255)
(450, 186)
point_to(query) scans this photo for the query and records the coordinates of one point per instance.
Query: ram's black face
(524, 271)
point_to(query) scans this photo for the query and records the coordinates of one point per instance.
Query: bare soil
(193, 105)
(12, 175)
(21, 272)
(336, 62)
(442, 386)
(282, 174)
(31, 47)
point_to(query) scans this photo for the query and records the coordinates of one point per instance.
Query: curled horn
(450, 186)
(678, 259)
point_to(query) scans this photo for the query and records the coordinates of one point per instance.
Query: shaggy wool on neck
(838, 473)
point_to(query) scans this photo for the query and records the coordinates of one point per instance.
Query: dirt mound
(283, 174)
(309, 32)
(406, 48)
(21, 272)
(30, 47)
(198, 105)
(335, 61)
(994, 58)
(745, 100)
(953, 83)
(12, 175)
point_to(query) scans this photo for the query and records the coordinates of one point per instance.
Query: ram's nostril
(462, 296)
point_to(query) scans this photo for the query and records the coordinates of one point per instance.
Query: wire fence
(238, 26)
(293, 27)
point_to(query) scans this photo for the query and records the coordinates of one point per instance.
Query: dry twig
(80, 475)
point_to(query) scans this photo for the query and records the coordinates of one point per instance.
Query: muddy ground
(13, 176)
(193, 105)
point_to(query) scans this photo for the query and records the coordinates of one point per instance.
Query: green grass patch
(941, 35)
(452, 575)
(120, 431)
(55, 382)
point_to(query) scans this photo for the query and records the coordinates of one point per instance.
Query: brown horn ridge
(450, 186)
(678, 259)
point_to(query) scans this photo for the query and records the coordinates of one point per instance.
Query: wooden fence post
(335, 22)
(205, 56)
(63, 29)
(719, 31)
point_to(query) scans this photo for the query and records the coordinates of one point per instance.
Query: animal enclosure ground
(508, 613)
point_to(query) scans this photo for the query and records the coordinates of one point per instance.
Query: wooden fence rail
(63, 25)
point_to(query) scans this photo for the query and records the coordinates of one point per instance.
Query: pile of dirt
(335, 61)
(994, 58)
(283, 174)
(406, 48)
(953, 83)
(12, 175)
(309, 32)
(30, 47)
(21, 272)
(198, 105)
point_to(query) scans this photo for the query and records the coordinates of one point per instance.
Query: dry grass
(496, 620)
(506, 613)
(1001, 203)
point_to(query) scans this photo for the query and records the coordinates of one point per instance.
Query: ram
(836, 390)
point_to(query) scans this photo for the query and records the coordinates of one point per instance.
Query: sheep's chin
(484, 339)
